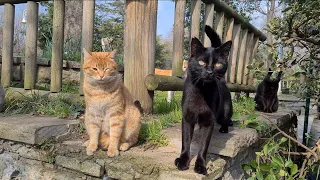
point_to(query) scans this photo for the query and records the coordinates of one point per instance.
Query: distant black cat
(266, 98)
(206, 97)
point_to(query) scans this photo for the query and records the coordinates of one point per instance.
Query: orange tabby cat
(111, 118)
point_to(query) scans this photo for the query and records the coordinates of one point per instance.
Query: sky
(165, 18)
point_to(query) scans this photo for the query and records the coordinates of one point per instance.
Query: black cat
(266, 98)
(206, 97)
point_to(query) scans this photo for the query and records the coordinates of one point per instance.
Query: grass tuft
(39, 104)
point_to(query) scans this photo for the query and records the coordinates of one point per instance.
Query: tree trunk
(270, 16)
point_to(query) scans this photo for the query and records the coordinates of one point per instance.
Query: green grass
(166, 115)
(244, 114)
(38, 104)
(70, 88)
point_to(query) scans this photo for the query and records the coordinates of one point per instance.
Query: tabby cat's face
(208, 64)
(100, 67)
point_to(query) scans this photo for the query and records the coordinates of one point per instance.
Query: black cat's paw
(223, 130)
(181, 164)
(200, 169)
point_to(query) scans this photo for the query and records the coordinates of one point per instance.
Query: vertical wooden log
(234, 53)
(208, 20)
(218, 24)
(7, 47)
(87, 33)
(195, 18)
(139, 48)
(242, 56)
(248, 57)
(178, 38)
(228, 37)
(254, 52)
(229, 30)
(57, 45)
(31, 45)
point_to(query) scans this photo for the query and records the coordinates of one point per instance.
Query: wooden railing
(230, 26)
(139, 44)
(30, 63)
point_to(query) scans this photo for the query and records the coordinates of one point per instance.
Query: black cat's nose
(209, 72)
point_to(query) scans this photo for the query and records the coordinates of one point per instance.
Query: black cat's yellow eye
(202, 63)
(218, 65)
(95, 69)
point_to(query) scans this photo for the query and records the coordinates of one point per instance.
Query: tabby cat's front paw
(181, 164)
(91, 148)
(112, 152)
(200, 169)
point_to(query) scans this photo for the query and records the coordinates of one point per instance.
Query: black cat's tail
(213, 36)
(138, 105)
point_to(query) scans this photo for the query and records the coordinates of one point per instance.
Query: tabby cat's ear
(86, 54)
(224, 50)
(112, 55)
(196, 47)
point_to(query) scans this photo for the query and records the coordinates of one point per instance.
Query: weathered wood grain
(139, 48)
(31, 45)
(57, 45)
(7, 47)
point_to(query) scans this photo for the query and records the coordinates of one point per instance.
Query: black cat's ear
(270, 71)
(213, 36)
(196, 47)
(224, 50)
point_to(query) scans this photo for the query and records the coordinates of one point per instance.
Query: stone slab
(86, 167)
(33, 129)
(232, 143)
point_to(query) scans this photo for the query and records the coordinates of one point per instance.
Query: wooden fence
(139, 44)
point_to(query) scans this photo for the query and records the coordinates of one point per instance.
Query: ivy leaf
(294, 169)
(277, 160)
(259, 175)
(250, 178)
(265, 149)
(282, 173)
(283, 139)
(254, 164)
(271, 176)
(246, 167)
(288, 163)
(265, 167)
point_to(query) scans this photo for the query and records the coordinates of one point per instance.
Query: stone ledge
(33, 129)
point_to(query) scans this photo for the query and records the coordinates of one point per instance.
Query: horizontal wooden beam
(2, 2)
(238, 19)
(172, 83)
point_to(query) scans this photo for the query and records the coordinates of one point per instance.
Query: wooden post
(234, 53)
(242, 56)
(139, 48)
(229, 30)
(178, 37)
(87, 33)
(57, 45)
(254, 52)
(228, 37)
(30, 71)
(208, 20)
(195, 18)
(218, 24)
(7, 47)
(248, 57)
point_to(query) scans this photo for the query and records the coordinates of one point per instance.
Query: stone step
(33, 129)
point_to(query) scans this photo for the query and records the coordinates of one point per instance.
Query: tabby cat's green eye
(202, 63)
